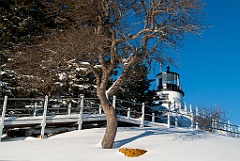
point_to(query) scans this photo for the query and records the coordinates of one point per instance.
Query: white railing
(178, 117)
(43, 108)
(131, 112)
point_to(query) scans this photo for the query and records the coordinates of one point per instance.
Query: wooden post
(197, 114)
(129, 113)
(35, 109)
(238, 130)
(143, 115)
(43, 124)
(216, 126)
(69, 107)
(180, 122)
(176, 121)
(153, 117)
(229, 128)
(213, 126)
(185, 106)
(80, 121)
(168, 116)
(191, 114)
(3, 116)
(100, 109)
(114, 102)
(225, 128)
(168, 119)
(232, 129)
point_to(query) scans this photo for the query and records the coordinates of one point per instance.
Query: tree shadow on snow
(178, 135)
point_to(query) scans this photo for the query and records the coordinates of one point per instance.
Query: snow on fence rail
(178, 117)
(131, 112)
(22, 108)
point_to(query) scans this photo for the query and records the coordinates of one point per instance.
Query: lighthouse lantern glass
(170, 78)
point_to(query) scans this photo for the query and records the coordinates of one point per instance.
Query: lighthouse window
(164, 97)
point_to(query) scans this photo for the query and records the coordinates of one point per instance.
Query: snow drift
(165, 144)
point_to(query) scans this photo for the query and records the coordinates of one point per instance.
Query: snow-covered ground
(163, 144)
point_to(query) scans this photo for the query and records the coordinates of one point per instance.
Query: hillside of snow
(163, 144)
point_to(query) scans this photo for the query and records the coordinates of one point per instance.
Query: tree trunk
(111, 129)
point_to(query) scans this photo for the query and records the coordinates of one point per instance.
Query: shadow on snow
(179, 134)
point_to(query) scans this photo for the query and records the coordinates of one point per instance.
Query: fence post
(216, 126)
(197, 114)
(153, 117)
(43, 124)
(213, 126)
(180, 122)
(191, 114)
(229, 128)
(3, 116)
(168, 119)
(100, 109)
(114, 102)
(225, 128)
(80, 121)
(128, 113)
(35, 109)
(176, 120)
(236, 133)
(238, 130)
(143, 115)
(69, 107)
(185, 106)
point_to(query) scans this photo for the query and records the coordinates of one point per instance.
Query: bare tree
(117, 35)
(209, 114)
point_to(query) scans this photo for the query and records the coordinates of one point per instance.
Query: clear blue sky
(209, 67)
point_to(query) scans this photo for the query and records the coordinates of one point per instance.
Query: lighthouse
(169, 92)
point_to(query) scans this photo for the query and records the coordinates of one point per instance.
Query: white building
(169, 92)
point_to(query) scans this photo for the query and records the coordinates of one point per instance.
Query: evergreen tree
(24, 23)
(20, 20)
(4, 78)
(136, 88)
(74, 80)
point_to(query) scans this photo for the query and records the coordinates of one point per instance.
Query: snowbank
(165, 144)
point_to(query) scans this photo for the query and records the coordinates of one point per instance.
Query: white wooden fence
(44, 113)
(131, 112)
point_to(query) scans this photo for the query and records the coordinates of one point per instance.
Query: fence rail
(132, 112)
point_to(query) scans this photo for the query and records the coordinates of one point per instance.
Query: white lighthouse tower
(169, 92)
